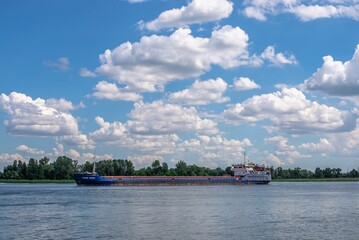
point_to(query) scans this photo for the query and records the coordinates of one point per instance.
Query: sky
(170, 80)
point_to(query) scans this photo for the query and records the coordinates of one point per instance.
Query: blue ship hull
(93, 179)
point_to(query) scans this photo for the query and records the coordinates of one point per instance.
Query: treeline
(296, 173)
(64, 168)
(181, 169)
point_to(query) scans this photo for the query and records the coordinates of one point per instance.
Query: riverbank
(317, 180)
(274, 180)
(35, 181)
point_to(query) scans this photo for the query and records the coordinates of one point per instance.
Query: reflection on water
(326, 210)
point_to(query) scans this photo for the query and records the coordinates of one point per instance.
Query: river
(308, 210)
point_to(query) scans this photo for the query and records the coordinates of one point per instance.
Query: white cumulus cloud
(345, 144)
(277, 59)
(147, 65)
(202, 92)
(335, 77)
(305, 10)
(117, 134)
(291, 112)
(35, 117)
(197, 11)
(164, 118)
(284, 154)
(32, 151)
(39, 117)
(144, 160)
(84, 72)
(110, 91)
(156, 60)
(6, 158)
(243, 84)
(215, 148)
(324, 147)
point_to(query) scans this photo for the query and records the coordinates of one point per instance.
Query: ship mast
(94, 165)
(244, 156)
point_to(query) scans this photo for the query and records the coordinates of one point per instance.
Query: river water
(311, 210)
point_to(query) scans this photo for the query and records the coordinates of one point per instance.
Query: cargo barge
(242, 174)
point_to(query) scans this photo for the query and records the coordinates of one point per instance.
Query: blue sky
(196, 80)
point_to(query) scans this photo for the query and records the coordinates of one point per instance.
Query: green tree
(22, 169)
(87, 167)
(327, 172)
(318, 173)
(156, 168)
(354, 173)
(105, 167)
(181, 168)
(229, 170)
(129, 167)
(32, 171)
(164, 169)
(11, 174)
(64, 168)
(336, 172)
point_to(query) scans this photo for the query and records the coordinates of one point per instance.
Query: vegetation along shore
(63, 169)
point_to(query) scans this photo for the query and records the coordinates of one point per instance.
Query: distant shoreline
(35, 181)
(317, 180)
(274, 180)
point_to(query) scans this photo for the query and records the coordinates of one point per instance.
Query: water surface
(310, 210)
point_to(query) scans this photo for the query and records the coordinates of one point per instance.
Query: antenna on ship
(244, 156)
(94, 165)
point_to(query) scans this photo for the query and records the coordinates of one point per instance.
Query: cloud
(62, 64)
(215, 148)
(78, 139)
(84, 157)
(345, 144)
(202, 92)
(324, 147)
(308, 13)
(58, 150)
(136, 1)
(144, 160)
(291, 112)
(163, 118)
(284, 153)
(32, 151)
(6, 158)
(335, 77)
(39, 117)
(111, 133)
(148, 65)
(305, 10)
(61, 104)
(35, 117)
(117, 134)
(110, 91)
(197, 11)
(243, 84)
(277, 59)
(84, 72)
(147, 148)
(72, 153)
